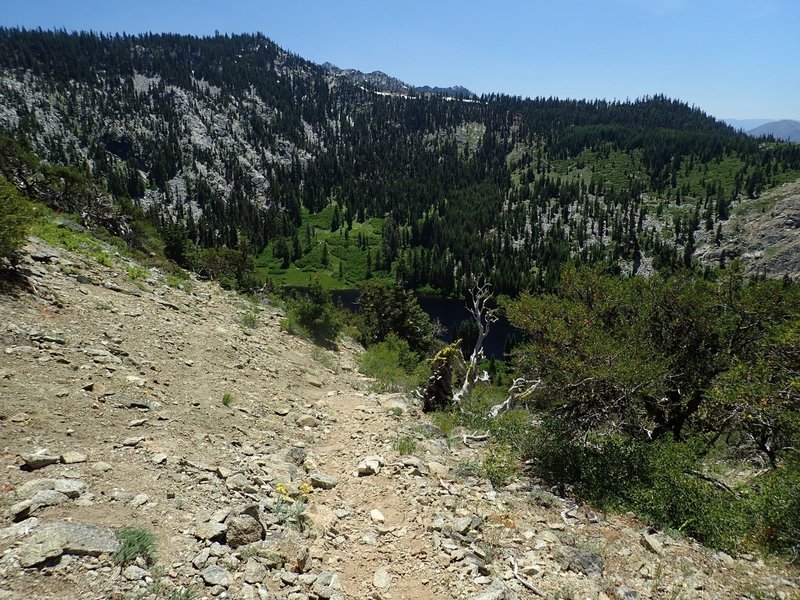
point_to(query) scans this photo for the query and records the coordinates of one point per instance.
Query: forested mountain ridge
(228, 140)
(381, 82)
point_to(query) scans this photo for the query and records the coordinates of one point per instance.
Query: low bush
(666, 484)
(16, 215)
(393, 365)
(313, 315)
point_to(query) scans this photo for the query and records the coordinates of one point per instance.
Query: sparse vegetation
(16, 217)
(135, 272)
(405, 445)
(393, 365)
(312, 315)
(500, 464)
(227, 400)
(135, 542)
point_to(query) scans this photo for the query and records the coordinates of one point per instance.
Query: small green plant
(396, 411)
(180, 281)
(227, 400)
(406, 445)
(136, 272)
(189, 594)
(249, 320)
(445, 421)
(103, 259)
(500, 464)
(135, 542)
(291, 511)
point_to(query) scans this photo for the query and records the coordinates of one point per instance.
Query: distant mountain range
(381, 82)
(784, 129)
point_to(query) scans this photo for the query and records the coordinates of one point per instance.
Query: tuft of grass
(227, 400)
(136, 272)
(445, 421)
(135, 542)
(249, 320)
(189, 594)
(406, 445)
(396, 411)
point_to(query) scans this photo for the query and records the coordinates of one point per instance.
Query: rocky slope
(764, 234)
(266, 468)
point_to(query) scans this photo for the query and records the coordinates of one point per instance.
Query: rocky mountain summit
(261, 466)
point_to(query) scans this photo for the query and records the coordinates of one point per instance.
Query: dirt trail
(187, 412)
(400, 545)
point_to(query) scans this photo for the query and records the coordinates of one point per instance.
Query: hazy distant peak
(785, 129)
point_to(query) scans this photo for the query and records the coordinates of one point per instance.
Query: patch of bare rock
(292, 488)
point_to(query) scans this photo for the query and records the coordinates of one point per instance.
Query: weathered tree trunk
(484, 317)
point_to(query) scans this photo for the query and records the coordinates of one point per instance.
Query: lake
(449, 313)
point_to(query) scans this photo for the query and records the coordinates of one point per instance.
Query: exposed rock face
(764, 233)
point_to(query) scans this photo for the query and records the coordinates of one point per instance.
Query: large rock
(370, 465)
(25, 508)
(579, 560)
(288, 546)
(322, 480)
(254, 571)
(243, 529)
(38, 460)
(214, 575)
(211, 530)
(320, 520)
(496, 591)
(54, 539)
(327, 585)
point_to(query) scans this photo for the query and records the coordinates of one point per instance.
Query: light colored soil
(181, 353)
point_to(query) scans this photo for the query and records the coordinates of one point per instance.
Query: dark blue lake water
(449, 313)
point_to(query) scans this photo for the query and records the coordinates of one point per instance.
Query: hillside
(765, 235)
(232, 142)
(185, 411)
(781, 130)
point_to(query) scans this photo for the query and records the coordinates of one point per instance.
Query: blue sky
(732, 58)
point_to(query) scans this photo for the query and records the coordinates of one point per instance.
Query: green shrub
(500, 464)
(16, 215)
(446, 421)
(135, 542)
(775, 510)
(312, 314)
(227, 400)
(393, 365)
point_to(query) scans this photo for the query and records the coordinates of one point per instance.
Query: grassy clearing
(346, 266)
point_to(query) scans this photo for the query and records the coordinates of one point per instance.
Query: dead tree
(484, 317)
(519, 392)
(438, 392)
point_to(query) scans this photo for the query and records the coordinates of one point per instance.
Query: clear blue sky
(732, 58)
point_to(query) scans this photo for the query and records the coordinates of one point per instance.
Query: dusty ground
(190, 411)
